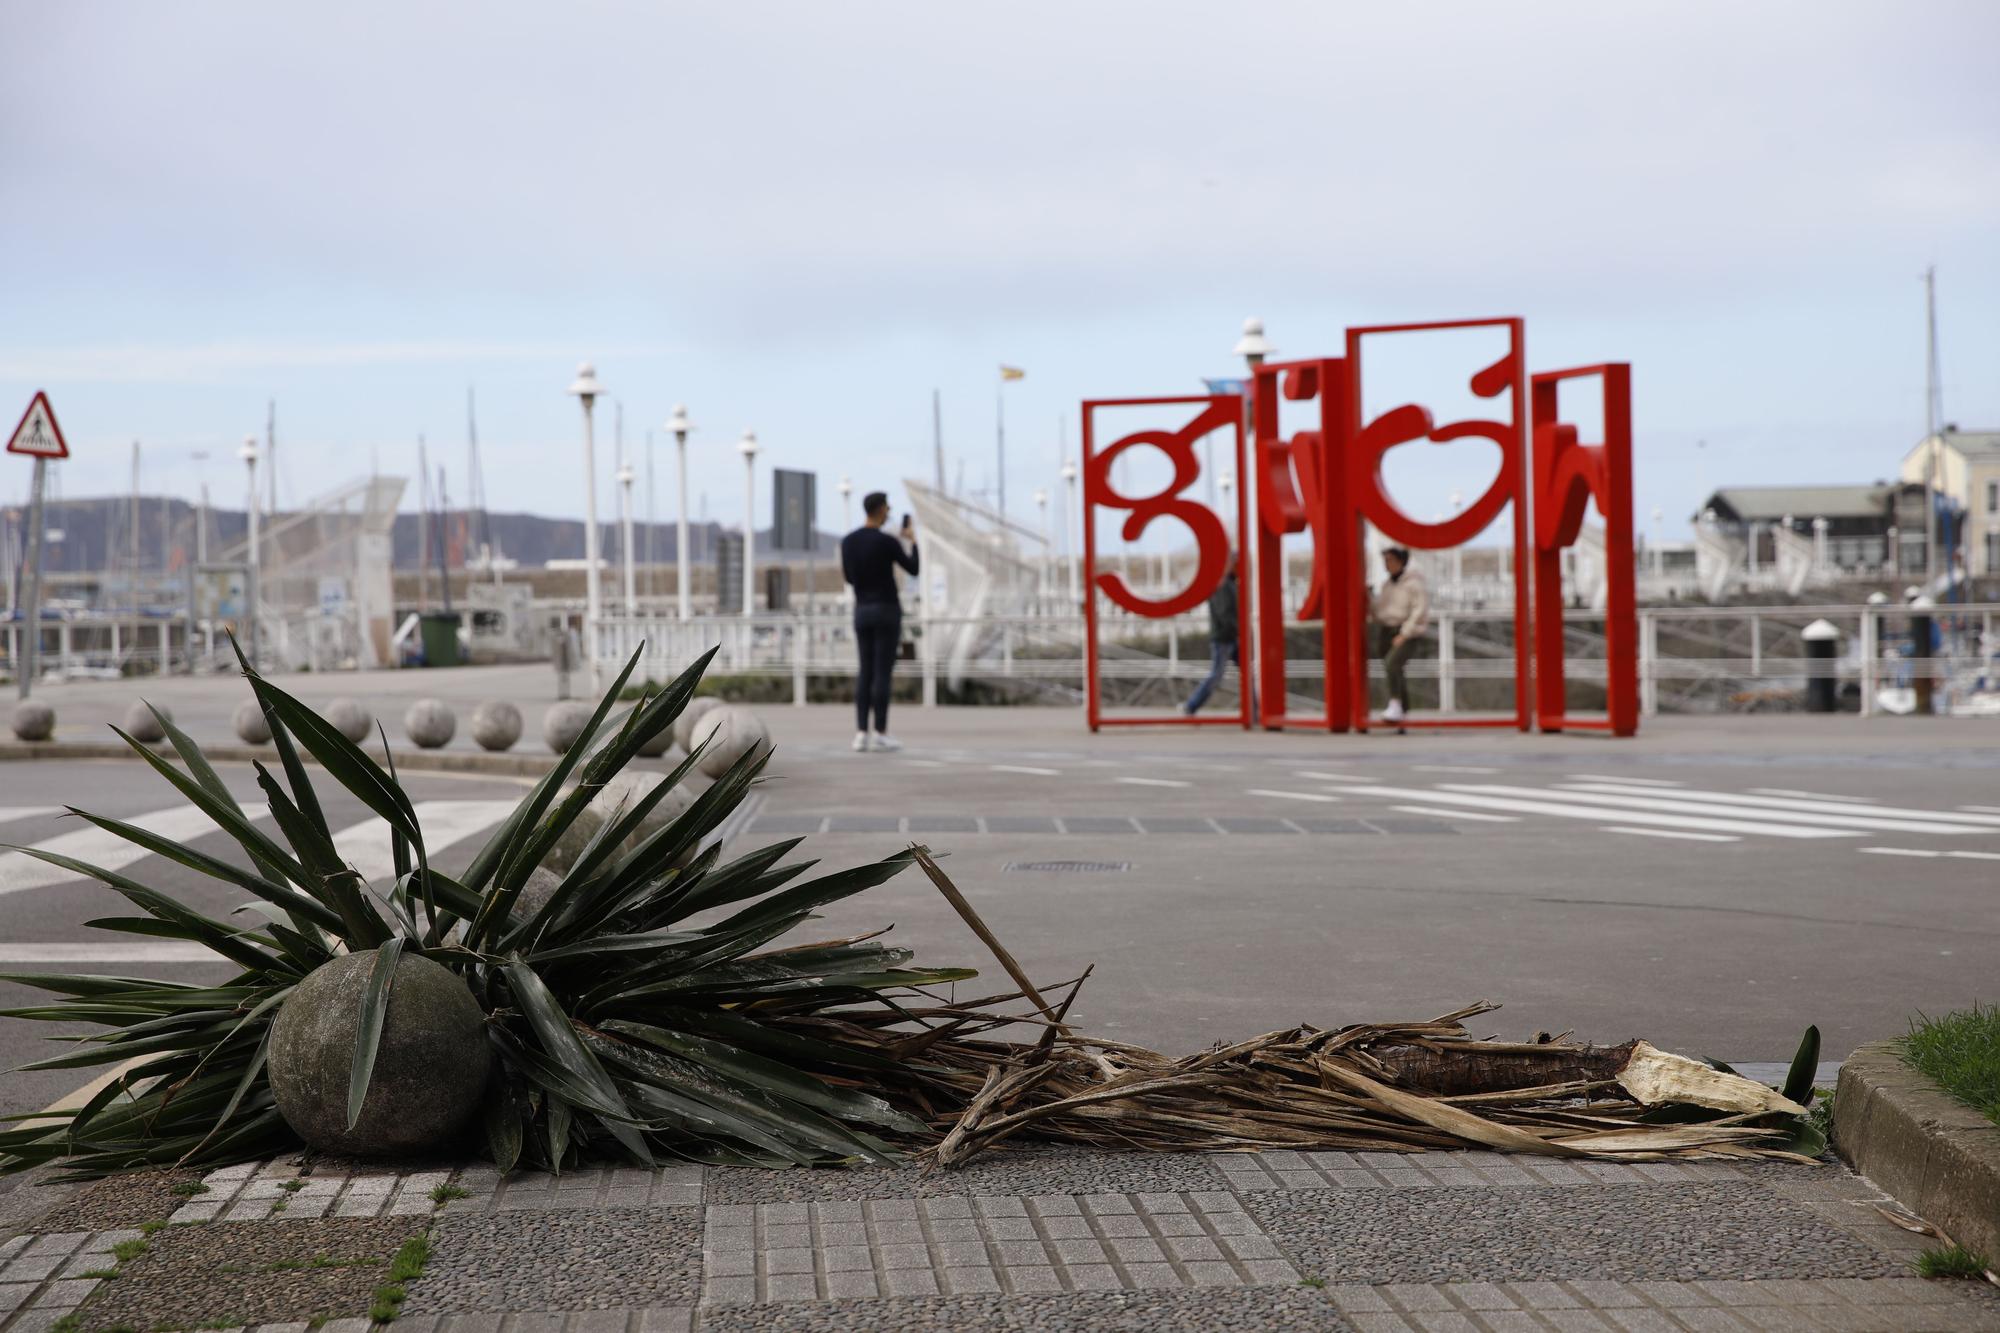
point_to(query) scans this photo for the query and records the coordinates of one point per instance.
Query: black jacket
(1222, 611)
(868, 558)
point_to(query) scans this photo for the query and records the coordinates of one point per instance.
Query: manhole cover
(1067, 867)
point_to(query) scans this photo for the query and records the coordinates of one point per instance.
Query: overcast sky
(800, 219)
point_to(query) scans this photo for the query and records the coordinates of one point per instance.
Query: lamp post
(747, 446)
(1255, 349)
(1659, 551)
(248, 453)
(625, 479)
(1227, 481)
(586, 388)
(1819, 526)
(1458, 553)
(680, 426)
(1069, 547)
(846, 489)
(1042, 503)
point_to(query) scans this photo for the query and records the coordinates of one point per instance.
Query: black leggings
(878, 629)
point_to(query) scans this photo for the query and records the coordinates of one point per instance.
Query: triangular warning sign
(38, 434)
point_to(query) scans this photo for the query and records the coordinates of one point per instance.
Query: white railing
(1682, 650)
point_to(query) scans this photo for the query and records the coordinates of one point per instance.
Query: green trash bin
(439, 632)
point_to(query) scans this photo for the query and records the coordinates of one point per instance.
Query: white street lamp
(1069, 547)
(1253, 346)
(1819, 527)
(1457, 552)
(248, 453)
(625, 479)
(680, 426)
(1659, 550)
(1255, 349)
(586, 388)
(846, 489)
(747, 446)
(1042, 503)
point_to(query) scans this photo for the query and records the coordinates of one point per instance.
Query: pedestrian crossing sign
(38, 435)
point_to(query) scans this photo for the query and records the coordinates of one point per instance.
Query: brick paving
(1034, 1240)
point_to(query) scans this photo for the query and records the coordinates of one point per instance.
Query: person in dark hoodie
(1222, 638)
(869, 558)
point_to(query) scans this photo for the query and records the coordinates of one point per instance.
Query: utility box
(778, 588)
(729, 573)
(438, 632)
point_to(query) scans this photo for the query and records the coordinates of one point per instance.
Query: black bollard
(1920, 652)
(1822, 642)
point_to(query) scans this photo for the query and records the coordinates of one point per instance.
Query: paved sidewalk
(1036, 1238)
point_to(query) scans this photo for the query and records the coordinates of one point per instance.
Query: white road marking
(366, 846)
(1698, 803)
(1597, 814)
(925, 763)
(1975, 856)
(1764, 804)
(1451, 768)
(104, 849)
(1457, 814)
(1900, 851)
(1981, 809)
(161, 952)
(1155, 782)
(1023, 768)
(1635, 782)
(1290, 795)
(10, 813)
(1318, 776)
(1673, 833)
(1804, 795)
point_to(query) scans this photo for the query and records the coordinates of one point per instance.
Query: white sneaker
(1394, 712)
(860, 741)
(884, 741)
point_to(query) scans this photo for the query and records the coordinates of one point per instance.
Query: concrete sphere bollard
(619, 795)
(350, 719)
(729, 732)
(34, 720)
(535, 894)
(429, 723)
(430, 1070)
(142, 726)
(564, 723)
(496, 725)
(252, 727)
(684, 724)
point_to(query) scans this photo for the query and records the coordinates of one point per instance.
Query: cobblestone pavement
(1033, 1239)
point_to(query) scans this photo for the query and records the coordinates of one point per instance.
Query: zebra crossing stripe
(1455, 814)
(1674, 833)
(104, 849)
(366, 846)
(1630, 782)
(1597, 814)
(1831, 809)
(1695, 803)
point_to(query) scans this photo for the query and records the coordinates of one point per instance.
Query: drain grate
(1067, 867)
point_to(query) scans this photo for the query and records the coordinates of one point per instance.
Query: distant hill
(96, 535)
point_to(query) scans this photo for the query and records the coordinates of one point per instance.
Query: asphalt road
(1714, 886)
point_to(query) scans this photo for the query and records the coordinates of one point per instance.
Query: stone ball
(34, 720)
(535, 894)
(729, 732)
(564, 723)
(430, 1069)
(696, 709)
(429, 723)
(350, 719)
(252, 727)
(621, 793)
(141, 725)
(496, 725)
(662, 741)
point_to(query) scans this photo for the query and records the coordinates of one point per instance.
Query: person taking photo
(869, 557)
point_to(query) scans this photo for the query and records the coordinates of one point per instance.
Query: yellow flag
(1012, 373)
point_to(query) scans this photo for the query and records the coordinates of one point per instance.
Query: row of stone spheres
(727, 730)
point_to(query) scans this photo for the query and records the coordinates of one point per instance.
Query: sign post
(39, 437)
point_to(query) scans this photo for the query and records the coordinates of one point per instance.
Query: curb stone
(1921, 1144)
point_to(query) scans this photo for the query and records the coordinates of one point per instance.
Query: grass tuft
(1951, 1261)
(101, 1274)
(148, 1228)
(1961, 1050)
(409, 1262)
(1314, 1282)
(126, 1250)
(188, 1189)
(446, 1193)
(292, 1186)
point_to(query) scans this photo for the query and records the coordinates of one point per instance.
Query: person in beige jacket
(1397, 616)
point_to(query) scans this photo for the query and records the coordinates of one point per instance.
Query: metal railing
(1689, 657)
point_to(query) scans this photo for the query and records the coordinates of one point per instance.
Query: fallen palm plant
(638, 1009)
